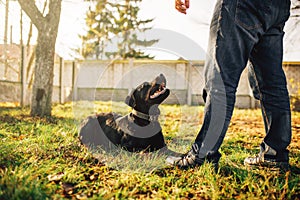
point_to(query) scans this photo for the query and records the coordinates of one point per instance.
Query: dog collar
(144, 116)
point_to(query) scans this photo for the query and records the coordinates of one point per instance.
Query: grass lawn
(41, 158)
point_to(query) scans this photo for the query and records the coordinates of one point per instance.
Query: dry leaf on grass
(55, 177)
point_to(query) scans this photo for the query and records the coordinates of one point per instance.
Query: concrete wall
(113, 80)
(99, 80)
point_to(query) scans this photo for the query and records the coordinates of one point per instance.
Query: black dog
(137, 131)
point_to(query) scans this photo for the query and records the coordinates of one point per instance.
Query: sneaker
(267, 158)
(191, 159)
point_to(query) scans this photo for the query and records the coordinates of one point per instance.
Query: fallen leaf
(55, 177)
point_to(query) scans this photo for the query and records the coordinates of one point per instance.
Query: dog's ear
(130, 100)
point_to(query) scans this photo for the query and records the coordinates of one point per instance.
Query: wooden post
(11, 35)
(181, 82)
(189, 84)
(74, 87)
(131, 65)
(23, 79)
(22, 68)
(5, 38)
(61, 80)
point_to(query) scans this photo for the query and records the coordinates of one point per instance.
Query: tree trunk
(43, 74)
(47, 27)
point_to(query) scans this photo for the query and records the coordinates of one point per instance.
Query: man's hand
(182, 6)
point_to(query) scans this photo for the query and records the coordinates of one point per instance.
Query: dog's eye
(144, 85)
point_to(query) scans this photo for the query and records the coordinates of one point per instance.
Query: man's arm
(182, 6)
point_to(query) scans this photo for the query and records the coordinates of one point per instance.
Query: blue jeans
(244, 32)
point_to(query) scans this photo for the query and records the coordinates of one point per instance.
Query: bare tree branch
(33, 12)
(54, 16)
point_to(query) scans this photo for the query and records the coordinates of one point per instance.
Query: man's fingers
(180, 9)
(180, 6)
(187, 3)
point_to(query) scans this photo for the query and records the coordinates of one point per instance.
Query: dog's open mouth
(161, 90)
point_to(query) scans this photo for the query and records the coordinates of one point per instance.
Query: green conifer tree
(99, 24)
(116, 23)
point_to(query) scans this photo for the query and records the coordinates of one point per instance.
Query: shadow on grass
(31, 119)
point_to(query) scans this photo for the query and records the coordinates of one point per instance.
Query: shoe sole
(283, 167)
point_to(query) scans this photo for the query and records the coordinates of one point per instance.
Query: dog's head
(149, 95)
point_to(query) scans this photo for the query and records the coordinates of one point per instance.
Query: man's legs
(241, 30)
(230, 45)
(269, 83)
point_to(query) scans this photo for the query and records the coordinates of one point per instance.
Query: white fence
(99, 80)
(113, 80)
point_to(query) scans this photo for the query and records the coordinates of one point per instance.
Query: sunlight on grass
(42, 158)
